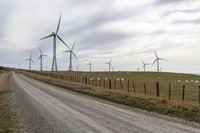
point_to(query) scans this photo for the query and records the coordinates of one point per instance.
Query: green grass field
(119, 81)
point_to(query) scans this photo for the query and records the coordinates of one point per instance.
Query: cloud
(126, 31)
(166, 2)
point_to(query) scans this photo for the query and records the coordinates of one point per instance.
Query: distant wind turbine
(138, 68)
(90, 65)
(109, 65)
(71, 54)
(30, 61)
(41, 59)
(78, 67)
(157, 60)
(55, 36)
(144, 65)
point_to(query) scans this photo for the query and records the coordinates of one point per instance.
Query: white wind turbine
(157, 60)
(71, 54)
(55, 36)
(144, 65)
(41, 59)
(109, 65)
(30, 61)
(90, 65)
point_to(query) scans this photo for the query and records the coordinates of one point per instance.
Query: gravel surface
(48, 109)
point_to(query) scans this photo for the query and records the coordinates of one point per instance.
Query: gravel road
(48, 109)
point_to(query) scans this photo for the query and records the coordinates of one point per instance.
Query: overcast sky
(126, 31)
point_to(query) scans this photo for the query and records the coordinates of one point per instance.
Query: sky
(126, 32)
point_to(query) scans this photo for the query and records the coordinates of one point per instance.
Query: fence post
(128, 86)
(157, 89)
(121, 84)
(100, 82)
(110, 83)
(199, 94)
(169, 91)
(115, 83)
(183, 93)
(145, 89)
(104, 82)
(133, 87)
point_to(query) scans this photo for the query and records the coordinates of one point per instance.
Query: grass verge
(8, 119)
(184, 110)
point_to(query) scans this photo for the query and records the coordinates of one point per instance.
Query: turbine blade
(58, 24)
(74, 55)
(45, 55)
(161, 59)
(73, 45)
(62, 41)
(154, 62)
(39, 57)
(32, 61)
(40, 50)
(66, 51)
(46, 37)
(155, 54)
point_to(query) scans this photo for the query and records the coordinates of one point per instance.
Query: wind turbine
(78, 67)
(138, 68)
(109, 65)
(41, 58)
(55, 36)
(30, 61)
(90, 65)
(157, 60)
(144, 65)
(71, 54)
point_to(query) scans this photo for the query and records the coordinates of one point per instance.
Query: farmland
(135, 82)
(102, 85)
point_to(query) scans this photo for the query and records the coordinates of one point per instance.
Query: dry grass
(177, 80)
(186, 110)
(8, 119)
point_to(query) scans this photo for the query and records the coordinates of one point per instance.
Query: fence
(170, 91)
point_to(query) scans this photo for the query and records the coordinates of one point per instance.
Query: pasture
(174, 87)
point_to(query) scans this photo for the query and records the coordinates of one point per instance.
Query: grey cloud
(195, 21)
(99, 39)
(165, 2)
(183, 11)
(105, 16)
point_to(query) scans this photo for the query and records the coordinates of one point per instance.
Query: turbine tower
(144, 65)
(90, 65)
(109, 65)
(157, 60)
(30, 61)
(55, 36)
(41, 59)
(78, 67)
(71, 54)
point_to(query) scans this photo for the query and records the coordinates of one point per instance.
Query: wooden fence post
(183, 93)
(121, 84)
(157, 89)
(199, 94)
(145, 89)
(104, 82)
(110, 83)
(100, 82)
(134, 90)
(115, 83)
(128, 86)
(169, 91)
